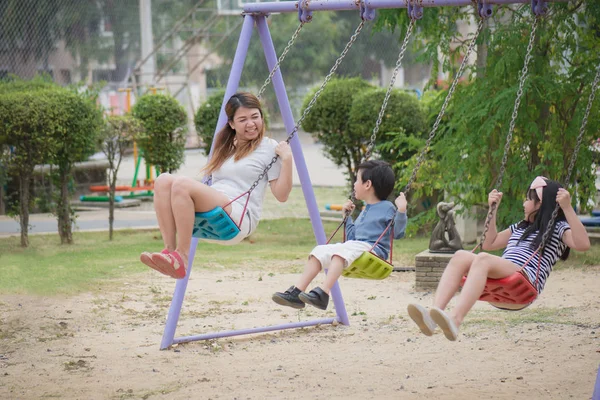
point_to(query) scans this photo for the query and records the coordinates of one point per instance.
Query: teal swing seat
(215, 224)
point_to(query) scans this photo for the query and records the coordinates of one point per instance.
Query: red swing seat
(515, 289)
(514, 292)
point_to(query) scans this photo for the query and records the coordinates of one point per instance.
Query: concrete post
(148, 69)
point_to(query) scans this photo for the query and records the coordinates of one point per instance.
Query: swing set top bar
(334, 5)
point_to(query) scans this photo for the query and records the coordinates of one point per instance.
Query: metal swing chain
(549, 229)
(444, 106)
(280, 60)
(511, 128)
(371, 145)
(312, 102)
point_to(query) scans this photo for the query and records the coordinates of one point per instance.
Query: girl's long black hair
(544, 215)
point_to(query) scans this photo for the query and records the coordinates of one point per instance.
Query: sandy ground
(105, 345)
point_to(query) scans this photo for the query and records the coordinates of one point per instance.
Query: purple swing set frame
(256, 14)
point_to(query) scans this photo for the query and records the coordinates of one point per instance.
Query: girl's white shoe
(445, 323)
(421, 317)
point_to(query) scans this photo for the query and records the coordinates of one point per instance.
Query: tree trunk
(542, 123)
(24, 182)
(2, 201)
(122, 42)
(482, 50)
(63, 210)
(111, 203)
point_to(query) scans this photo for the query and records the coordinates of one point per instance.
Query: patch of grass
(48, 268)
(540, 315)
(580, 260)
(76, 365)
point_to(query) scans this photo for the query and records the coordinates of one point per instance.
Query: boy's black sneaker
(316, 297)
(289, 298)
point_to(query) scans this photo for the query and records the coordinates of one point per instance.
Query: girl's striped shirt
(519, 252)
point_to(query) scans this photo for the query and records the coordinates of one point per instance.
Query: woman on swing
(519, 242)
(240, 155)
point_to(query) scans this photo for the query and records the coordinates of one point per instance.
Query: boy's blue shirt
(372, 221)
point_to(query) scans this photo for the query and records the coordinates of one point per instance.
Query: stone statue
(445, 237)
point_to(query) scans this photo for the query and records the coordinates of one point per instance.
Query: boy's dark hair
(380, 174)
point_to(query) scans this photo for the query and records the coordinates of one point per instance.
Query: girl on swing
(519, 242)
(240, 155)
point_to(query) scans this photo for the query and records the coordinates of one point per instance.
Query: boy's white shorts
(349, 251)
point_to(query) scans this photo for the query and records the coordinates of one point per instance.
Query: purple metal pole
(288, 120)
(239, 332)
(232, 85)
(236, 72)
(330, 5)
(177, 301)
(596, 395)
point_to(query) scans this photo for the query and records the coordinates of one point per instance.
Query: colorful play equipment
(255, 14)
(138, 188)
(100, 199)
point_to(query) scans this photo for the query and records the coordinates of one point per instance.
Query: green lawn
(48, 268)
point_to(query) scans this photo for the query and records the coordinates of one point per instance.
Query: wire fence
(183, 47)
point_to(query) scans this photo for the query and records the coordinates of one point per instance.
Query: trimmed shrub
(163, 137)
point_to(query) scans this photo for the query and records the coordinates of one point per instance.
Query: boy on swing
(374, 183)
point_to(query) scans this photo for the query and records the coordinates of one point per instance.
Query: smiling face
(247, 123)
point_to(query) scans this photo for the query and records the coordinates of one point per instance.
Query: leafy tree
(206, 119)
(374, 46)
(436, 31)
(329, 122)
(402, 124)
(310, 56)
(344, 117)
(125, 22)
(467, 154)
(26, 126)
(116, 136)
(76, 121)
(30, 29)
(163, 139)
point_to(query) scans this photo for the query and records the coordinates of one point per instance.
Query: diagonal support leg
(288, 120)
(232, 86)
(596, 395)
(236, 71)
(177, 301)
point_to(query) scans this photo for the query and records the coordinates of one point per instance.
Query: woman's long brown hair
(224, 143)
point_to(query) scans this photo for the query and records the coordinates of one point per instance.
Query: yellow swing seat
(368, 266)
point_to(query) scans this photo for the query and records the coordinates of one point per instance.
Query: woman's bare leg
(483, 267)
(189, 196)
(164, 210)
(450, 281)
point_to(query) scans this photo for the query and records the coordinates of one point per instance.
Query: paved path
(322, 171)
